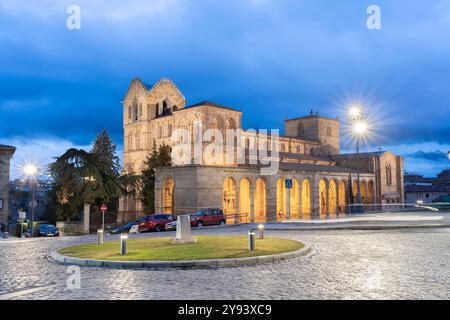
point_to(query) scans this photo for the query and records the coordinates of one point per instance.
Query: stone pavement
(345, 264)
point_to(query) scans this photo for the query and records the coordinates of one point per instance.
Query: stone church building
(308, 160)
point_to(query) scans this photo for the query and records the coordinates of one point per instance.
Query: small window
(299, 149)
(329, 131)
(388, 174)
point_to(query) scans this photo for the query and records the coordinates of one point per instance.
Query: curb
(189, 264)
(368, 227)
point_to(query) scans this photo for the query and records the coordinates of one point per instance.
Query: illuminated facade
(308, 154)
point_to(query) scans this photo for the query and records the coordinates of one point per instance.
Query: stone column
(86, 218)
(315, 199)
(327, 195)
(271, 200)
(300, 194)
(337, 197)
(252, 203)
(236, 203)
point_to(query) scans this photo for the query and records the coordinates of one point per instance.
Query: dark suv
(155, 222)
(208, 217)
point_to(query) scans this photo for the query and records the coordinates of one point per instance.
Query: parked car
(171, 226)
(134, 229)
(155, 222)
(125, 228)
(208, 217)
(47, 230)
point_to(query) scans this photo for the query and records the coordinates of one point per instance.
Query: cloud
(435, 156)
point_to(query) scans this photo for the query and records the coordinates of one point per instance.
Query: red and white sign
(103, 208)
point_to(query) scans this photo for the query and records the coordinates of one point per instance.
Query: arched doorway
(355, 189)
(260, 200)
(342, 197)
(306, 199)
(323, 198)
(295, 194)
(229, 200)
(281, 199)
(244, 201)
(332, 198)
(169, 187)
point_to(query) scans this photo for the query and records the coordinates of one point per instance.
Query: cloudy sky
(270, 58)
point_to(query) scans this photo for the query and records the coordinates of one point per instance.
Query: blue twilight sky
(269, 58)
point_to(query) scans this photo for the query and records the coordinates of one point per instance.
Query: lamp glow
(355, 112)
(360, 127)
(30, 170)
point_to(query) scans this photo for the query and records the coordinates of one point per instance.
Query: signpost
(288, 183)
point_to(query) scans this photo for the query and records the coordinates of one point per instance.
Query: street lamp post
(359, 127)
(31, 171)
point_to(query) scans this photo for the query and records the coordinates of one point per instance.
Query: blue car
(47, 230)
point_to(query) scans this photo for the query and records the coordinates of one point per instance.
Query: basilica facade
(300, 175)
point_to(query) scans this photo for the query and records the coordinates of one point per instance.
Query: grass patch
(161, 249)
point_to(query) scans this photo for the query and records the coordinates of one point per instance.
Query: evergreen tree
(145, 188)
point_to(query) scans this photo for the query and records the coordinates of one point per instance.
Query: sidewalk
(372, 221)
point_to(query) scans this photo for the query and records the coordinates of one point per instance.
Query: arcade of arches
(238, 203)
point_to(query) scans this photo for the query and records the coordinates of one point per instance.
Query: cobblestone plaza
(347, 264)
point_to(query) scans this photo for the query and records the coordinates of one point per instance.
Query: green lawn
(161, 249)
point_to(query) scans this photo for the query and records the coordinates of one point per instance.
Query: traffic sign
(103, 208)
(288, 183)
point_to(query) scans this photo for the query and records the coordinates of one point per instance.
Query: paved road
(404, 264)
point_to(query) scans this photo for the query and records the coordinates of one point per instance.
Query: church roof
(211, 104)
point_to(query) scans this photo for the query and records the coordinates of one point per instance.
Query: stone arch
(295, 199)
(342, 196)
(244, 201)
(168, 199)
(216, 123)
(332, 197)
(229, 199)
(229, 124)
(260, 200)
(323, 197)
(281, 199)
(306, 199)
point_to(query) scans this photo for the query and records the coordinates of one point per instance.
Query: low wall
(70, 228)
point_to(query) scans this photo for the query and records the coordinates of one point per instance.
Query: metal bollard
(261, 231)
(123, 244)
(251, 240)
(100, 236)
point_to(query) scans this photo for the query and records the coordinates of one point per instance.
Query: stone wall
(6, 153)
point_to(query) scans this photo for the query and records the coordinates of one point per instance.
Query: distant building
(419, 189)
(6, 152)
(20, 198)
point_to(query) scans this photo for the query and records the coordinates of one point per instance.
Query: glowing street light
(355, 112)
(359, 129)
(31, 170)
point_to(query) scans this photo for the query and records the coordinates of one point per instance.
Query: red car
(208, 217)
(155, 222)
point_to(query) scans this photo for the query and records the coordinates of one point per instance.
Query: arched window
(164, 111)
(135, 112)
(283, 148)
(388, 174)
(299, 149)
